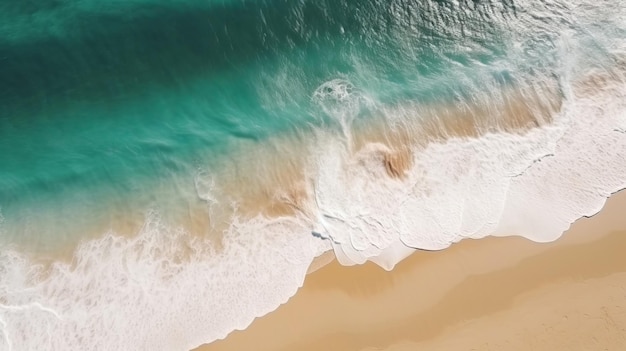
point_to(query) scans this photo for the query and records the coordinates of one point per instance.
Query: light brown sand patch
(397, 163)
(408, 129)
(266, 178)
(575, 315)
(601, 80)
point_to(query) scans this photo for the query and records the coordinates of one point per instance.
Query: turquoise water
(100, 101)
(137, 109)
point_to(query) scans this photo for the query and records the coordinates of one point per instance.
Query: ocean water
(169, 170)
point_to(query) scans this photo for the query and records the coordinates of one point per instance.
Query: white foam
(342, 100)
(534, 185)
(142, 294)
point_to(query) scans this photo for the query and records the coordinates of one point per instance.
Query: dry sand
(489, 294)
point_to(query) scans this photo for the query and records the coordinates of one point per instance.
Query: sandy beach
(490, 294)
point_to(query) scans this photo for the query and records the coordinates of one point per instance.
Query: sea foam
(160, 290)
(534, 185)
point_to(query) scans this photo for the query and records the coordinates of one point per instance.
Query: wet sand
(489, 294)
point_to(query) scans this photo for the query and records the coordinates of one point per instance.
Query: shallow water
(145, 144)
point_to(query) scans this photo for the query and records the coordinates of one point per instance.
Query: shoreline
(477, 291)
(297, 196)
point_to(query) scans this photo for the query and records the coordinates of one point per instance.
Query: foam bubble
(205, 187)
(340, 99)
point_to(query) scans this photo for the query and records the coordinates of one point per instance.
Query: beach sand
(489, 294)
